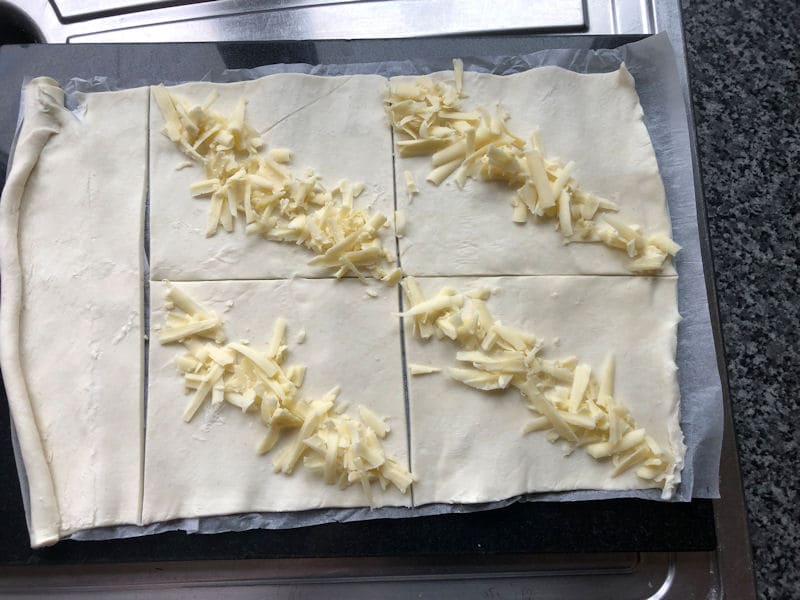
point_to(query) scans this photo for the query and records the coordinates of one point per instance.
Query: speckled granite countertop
(744, 63)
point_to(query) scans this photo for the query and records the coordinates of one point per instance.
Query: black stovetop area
(531, 527)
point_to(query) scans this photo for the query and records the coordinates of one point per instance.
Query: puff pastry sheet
(72, 331)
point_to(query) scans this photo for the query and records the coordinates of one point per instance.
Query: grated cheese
(399, 223)
(411, 185)
(416, 369)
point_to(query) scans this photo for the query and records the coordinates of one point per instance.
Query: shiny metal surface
(76, 9)
(375, 19)
(72, 9)
(304, 19)
(621, 16)
(620, 576)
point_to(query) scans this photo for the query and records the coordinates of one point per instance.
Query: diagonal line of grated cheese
(342, 449)
(273, 201)
(428, 117)
(565, 398)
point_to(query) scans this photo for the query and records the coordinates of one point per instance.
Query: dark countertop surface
(744, 64)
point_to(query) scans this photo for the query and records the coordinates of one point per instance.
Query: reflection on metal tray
(618, 576)
(238, 20)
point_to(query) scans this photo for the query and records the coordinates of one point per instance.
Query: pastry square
(469, 446)
(334, 125)
(594, 120)
(210, 465)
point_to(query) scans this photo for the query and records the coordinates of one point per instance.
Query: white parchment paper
(652, 64)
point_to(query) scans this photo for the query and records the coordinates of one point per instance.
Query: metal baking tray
(615, 549)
